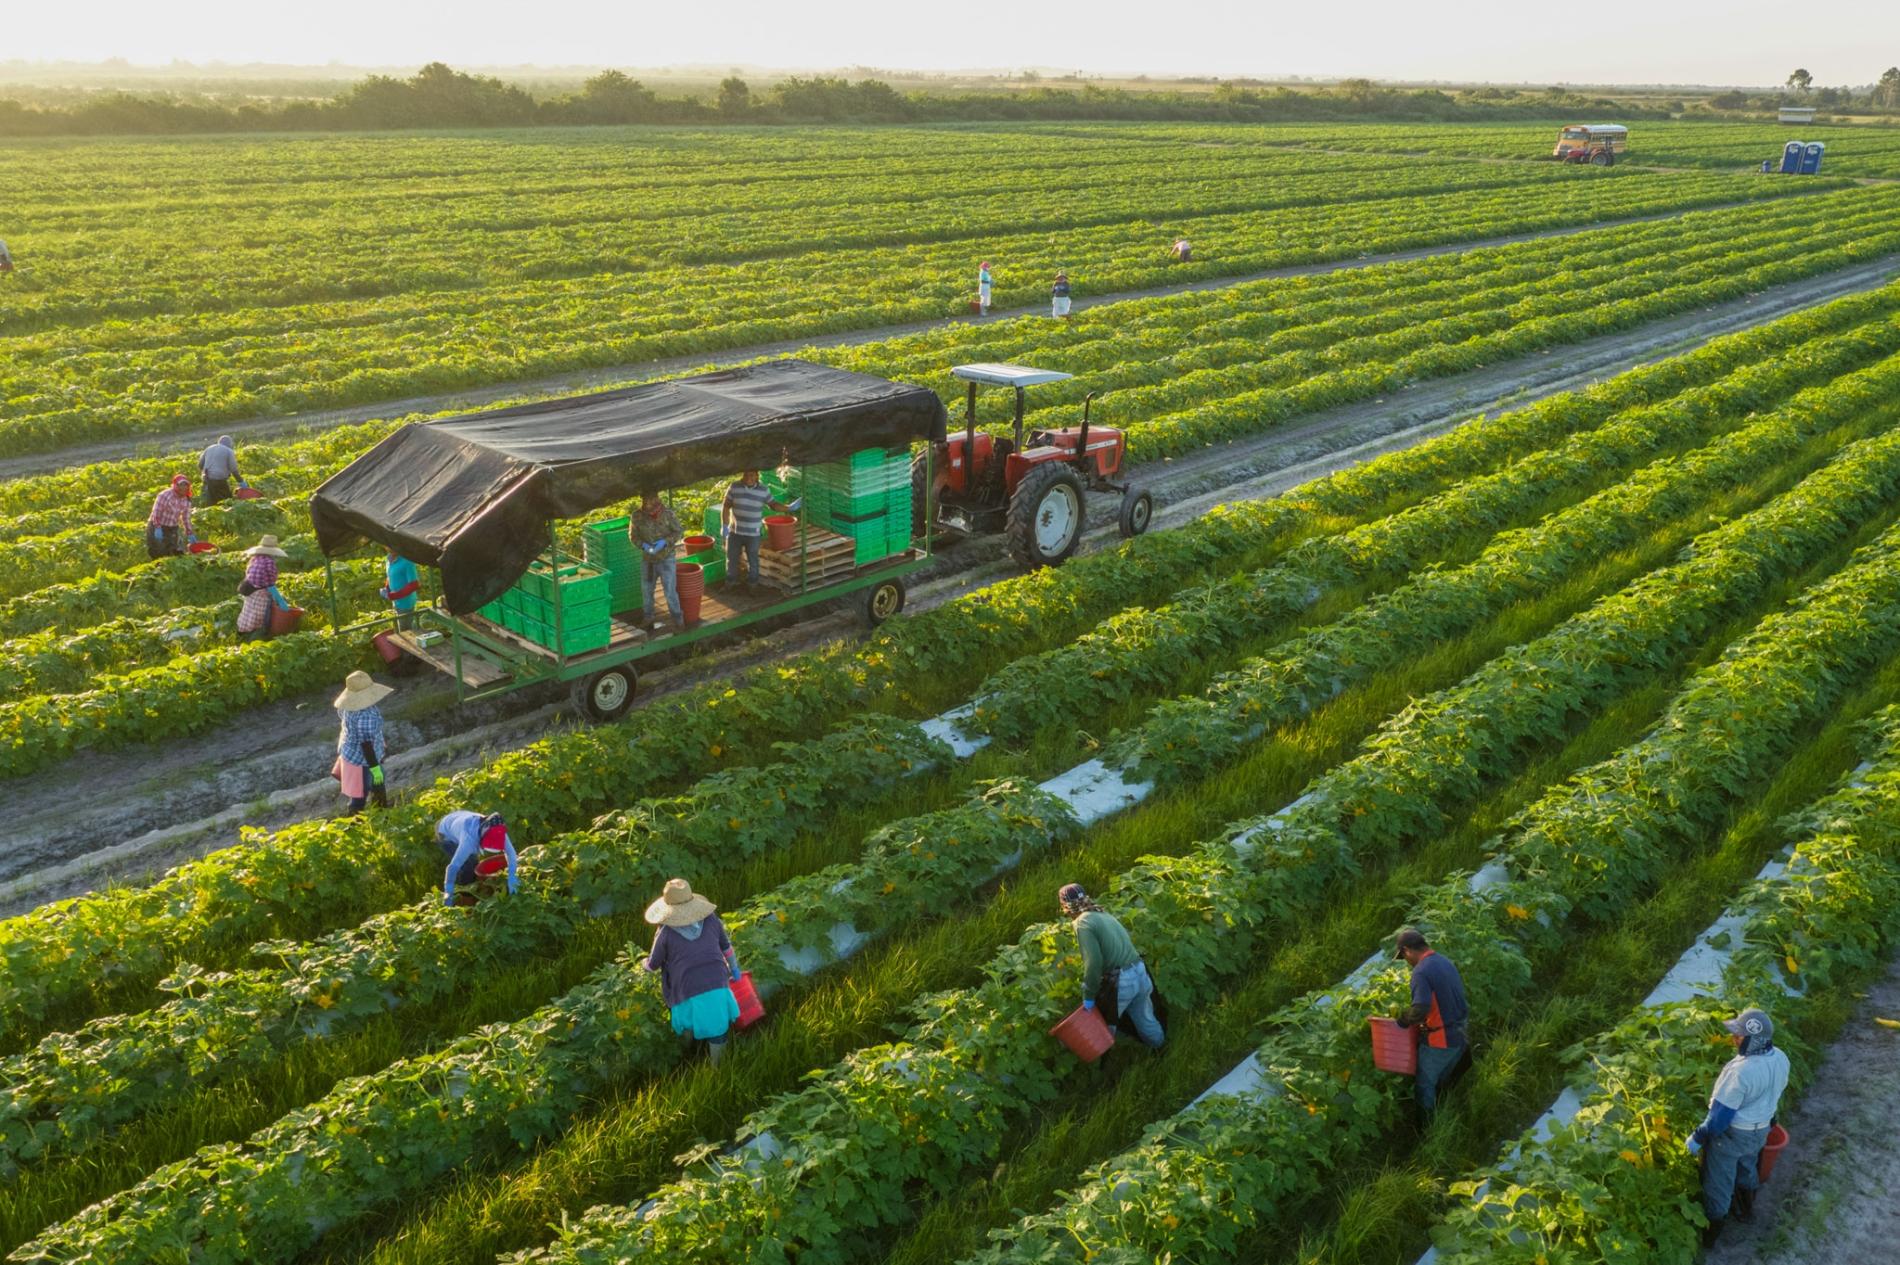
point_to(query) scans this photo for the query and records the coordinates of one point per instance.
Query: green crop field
(1564, 684)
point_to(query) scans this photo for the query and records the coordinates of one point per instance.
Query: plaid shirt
(171, 510)
(359, 727)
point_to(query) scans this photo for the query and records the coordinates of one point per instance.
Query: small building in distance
(1797, 114)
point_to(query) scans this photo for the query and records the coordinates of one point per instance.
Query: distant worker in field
(6, 258)
(1741, 1108)
(1059, 296)
(696, 964)
(360, 748)
(401, 584)
(1114, 978)
(656, 534)
(479, 852)
(1439, 1006)
(983, 282)
(168, 529)
(1181, 252)
(218, 465)
(259, 591)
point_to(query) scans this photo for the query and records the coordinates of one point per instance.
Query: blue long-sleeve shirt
(464, 829)
(1438, 1001)
(403, 583)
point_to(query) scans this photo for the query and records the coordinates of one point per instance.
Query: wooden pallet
(477, 672)
(827, 556)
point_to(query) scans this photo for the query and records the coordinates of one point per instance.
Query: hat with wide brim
(360, 691)
(266, 544)
(679, 905)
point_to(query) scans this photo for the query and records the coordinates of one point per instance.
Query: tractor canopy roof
(474, 495)
(1018, 376)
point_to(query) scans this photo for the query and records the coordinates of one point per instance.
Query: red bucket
(751, 1009)
(781, 531)
(386, 646)
(1085, 1033)
(201, 546)
(1394, 1049)
(284, 621)
(248, 494)
(1771, 1150)
(697, 543)
(690, 582)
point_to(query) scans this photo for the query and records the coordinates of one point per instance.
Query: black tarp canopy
(473, 495)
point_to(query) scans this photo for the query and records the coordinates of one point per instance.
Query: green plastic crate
(594, 636)
(580, 614)
(712, 565)
(580, 588)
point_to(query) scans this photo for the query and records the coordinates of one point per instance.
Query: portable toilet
(1811, 158)
(1791, 158)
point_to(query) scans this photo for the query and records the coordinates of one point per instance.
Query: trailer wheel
(1138, 509)
(606, 695)
(1045, 516)
(881, 601)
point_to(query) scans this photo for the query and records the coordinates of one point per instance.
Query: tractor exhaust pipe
(1082, 442)
(969, 442)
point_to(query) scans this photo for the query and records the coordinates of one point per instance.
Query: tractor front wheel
(1138, 509)
(606, 695)
(1045, 516)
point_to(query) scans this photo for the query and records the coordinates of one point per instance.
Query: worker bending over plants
(1741, 1110)
(1438, 1004)
(479, 851)
(1113, 975)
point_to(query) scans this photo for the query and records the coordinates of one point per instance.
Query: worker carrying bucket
(1741, 1116)
(1114, 978)
(696, 964)
(479, 852)
(1439, 1009)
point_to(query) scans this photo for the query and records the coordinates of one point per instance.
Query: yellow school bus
(1598, 143)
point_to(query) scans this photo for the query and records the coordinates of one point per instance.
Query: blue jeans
(1433, 1066)
(736, 546)
(1135, 998)
(1729, 1163)
(666, 570)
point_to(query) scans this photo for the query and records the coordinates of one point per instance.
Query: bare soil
(1834, 1198)
(124, 815)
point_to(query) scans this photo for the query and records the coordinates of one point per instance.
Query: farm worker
(1059, 296)
(168, 530)
(401, 583)
(743, 513)
(694, 957)
(359, 742)
(1741, 1107)
(983, 288)
(656, 533)
(259, 590)
(478, 849)
(1181, 251)
(1111, 969)
(218, 465)
(1438, 1003)
(6, 258)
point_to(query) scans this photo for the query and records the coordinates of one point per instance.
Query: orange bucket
(284, 621)
(781, 531)
(247, 494)
(1394, 1049)
(1086, 1034)
(751, 1009)
(201, 546)
(698, 543)
(1771, 1150)
(689, 583)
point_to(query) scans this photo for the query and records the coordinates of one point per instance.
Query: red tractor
(978, 483)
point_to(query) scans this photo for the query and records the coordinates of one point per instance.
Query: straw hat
(678, 906)
(359, 691)
(266, 544)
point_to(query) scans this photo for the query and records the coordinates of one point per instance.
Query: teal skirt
(707, 1016)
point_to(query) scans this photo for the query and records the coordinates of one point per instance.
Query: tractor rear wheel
(1045, 516)
(1138, 509)
(1601, 158)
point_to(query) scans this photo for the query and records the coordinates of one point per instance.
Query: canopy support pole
(554, 557)
(329, 577)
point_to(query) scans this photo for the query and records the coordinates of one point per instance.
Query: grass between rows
(622, 1152)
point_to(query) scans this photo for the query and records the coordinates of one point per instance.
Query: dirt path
(1832, 1199)
(124, 814)
(259, 428)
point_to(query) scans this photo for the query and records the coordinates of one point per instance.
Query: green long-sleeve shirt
(1105, 944)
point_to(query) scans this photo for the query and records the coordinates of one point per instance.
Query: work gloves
(1088, 1003)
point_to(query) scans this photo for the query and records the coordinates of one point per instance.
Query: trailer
(479, 499)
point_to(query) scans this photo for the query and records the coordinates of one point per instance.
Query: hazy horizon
(1676, 42)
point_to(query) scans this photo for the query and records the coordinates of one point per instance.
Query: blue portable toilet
(1791, 158)
(1811, 158)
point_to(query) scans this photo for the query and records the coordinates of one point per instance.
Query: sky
(1747, 42)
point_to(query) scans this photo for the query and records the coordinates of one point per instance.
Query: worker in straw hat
(694, 957)
(1741, 1110)
(259, 590)
(359, 742)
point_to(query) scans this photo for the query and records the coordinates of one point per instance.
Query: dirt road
(120, 815)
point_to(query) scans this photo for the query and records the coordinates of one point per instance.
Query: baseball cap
(1071, 894)
(1751, 1023)
(1409, 938)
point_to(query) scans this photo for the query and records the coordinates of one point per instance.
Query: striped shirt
(361, 726)
(171, 510)
(747, 503)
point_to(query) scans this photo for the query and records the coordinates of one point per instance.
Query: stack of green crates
(866, 498)
(586, 615)
(608, 549)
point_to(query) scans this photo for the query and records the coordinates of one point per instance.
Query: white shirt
(1752, 1085)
